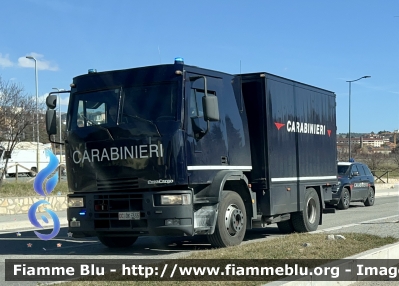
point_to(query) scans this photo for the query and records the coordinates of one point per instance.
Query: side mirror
(355, 174)
(51, 101)
(211, 108)
(51, 122)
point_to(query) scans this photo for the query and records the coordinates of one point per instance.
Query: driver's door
(208, 147)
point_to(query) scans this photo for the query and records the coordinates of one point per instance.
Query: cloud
(5, 61)
(42, 64)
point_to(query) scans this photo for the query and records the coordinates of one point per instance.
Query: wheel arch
(234, 181)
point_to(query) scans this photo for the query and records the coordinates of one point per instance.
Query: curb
(387, 253)
(387, 194)
(14, 226)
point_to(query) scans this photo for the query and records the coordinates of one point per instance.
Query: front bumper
(336, 194)
(99, 216)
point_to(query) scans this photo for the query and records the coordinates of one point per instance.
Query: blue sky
(322, 43)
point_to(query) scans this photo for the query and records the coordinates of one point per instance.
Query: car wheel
(370, 198)
(345, 200)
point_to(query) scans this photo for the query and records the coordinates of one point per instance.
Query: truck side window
(196, 109)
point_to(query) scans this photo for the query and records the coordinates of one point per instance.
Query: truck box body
(292, 131)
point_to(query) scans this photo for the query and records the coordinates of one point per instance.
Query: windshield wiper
(99, 126)
(145, 120)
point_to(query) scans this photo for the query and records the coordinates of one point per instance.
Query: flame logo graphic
(33, 220)
(38, 187)
(43, 174)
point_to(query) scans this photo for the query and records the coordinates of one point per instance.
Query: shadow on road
(27, 243)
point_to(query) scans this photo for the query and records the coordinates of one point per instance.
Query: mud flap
(205, 219)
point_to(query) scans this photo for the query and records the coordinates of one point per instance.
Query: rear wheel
(117, 242)
(345, 199)
(308, 219)
(286, 226)
(231, 222)
(371, 198)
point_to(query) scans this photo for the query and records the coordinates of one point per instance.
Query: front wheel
(231, 222)
(117, 242)
(308, 219)
(370, 198)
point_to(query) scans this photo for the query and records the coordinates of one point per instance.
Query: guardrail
(378, 178)
(61, 168)
(384, 175)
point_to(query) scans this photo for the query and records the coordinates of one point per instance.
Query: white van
(24, 154)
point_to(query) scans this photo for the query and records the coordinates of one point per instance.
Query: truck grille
(107, 207)
(118, 184)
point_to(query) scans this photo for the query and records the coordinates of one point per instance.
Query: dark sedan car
(355, 184)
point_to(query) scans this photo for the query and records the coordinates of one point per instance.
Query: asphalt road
(14, 246)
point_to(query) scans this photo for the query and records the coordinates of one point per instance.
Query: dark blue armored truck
(181, 150)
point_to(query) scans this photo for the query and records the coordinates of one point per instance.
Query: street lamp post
(350, 81)
(37, 114)
(59, 110)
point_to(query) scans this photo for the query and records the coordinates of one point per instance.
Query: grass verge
(290, 248)
(25, 189)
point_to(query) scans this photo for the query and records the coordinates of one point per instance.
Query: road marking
(353, 224)
(54, 239)
(376, 219)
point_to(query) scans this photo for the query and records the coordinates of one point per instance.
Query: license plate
(129, 216)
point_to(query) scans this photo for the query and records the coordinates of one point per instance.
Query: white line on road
(54, 239)
(354, 224)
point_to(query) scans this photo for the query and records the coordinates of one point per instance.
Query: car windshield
(148, 103)
(342, 169)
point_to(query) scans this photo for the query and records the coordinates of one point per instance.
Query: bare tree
(375, 160)
(17, 111)
(395, 155)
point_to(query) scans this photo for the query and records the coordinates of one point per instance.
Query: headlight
(339, 183)
(184, 199)
(75, 202)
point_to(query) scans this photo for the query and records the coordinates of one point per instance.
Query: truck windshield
(156, 102)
